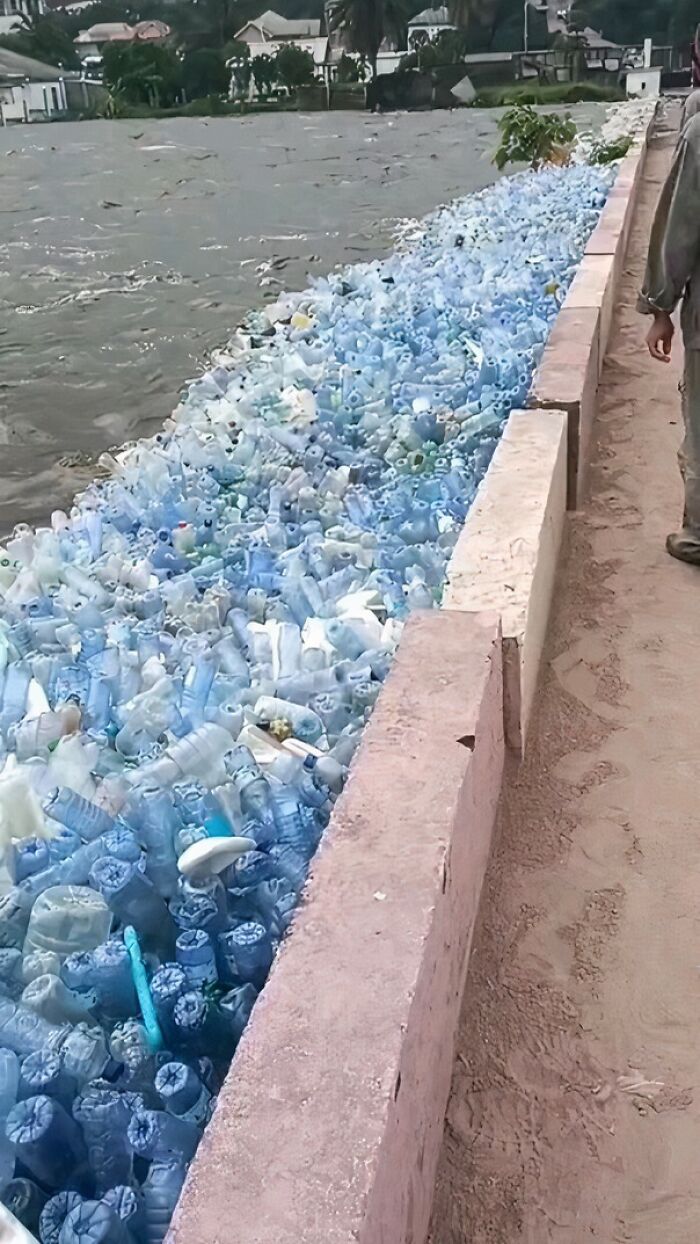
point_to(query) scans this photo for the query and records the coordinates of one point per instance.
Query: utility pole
(539, 8)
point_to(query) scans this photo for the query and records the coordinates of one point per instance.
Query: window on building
(54, 99)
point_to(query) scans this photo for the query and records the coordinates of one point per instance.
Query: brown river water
(128, 249)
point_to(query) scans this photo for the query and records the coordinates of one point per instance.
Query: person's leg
(685, 544)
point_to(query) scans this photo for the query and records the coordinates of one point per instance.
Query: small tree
(294, 67)
(142, 73)
(237, 56)
(350, 69)
(204, 72)
(534, 138)
(264, 72)
(364, 24)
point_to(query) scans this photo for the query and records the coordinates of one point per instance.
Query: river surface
(129, 249)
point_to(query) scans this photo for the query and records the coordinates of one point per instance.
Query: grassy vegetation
(559, 93)
(210, 106)
(605, 153)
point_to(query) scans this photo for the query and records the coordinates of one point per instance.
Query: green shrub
(534, 138)
(557, 93)
(605, 153)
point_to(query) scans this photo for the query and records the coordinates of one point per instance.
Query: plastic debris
(187, 662)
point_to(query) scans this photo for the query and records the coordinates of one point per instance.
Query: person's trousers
(689, 452)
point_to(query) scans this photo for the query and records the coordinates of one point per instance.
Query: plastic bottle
(245, 954)
(46, 1140)
(66, 919)
(127, 1205)
(112, 978)
(25, 1200)
(71, 810)
(28, 856)
(183, 1093)
(37, 735)
(24, 1031)
(161, 1137)
(155, 821)
(129, 1044)
(195, 953)
(43, 1074)
(104, 1117)
(50, 998)
(131, 897)
(10, 971)
(167, 985)
(161, 1190)
(54, 1215)
(94, 1222)
(303, 722)
(9, 1084)
(236, 1008)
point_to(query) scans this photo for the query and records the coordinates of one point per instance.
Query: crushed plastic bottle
(187, 661)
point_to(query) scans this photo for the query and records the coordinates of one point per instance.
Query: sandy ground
(575, 1113)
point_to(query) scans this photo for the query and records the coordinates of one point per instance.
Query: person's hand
(660, 337)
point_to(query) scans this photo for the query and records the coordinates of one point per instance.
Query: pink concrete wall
(507, 554)
(329, 1125)
(568, 374)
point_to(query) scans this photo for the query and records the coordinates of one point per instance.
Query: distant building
(271, 28)
(30, 90)
(265, 35)
(427, 25)
(89, 43)
(12, 12)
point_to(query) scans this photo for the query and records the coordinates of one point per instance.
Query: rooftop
(432, 17)
(105, 32)
(12, 65)
(274, 26)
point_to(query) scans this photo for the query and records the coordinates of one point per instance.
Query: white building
(89, 43)
(267, 34)
(12, 12)
(427, 25)
(271, 28)
(30, 90)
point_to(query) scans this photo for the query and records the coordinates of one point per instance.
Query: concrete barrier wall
(507, 554)
(329, 1125)
(568, 374)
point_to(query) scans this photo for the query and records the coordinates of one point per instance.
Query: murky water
(130, 248)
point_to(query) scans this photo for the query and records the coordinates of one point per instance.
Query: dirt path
(575, 1108)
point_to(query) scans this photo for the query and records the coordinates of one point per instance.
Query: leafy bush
(294, 66)
(206, 106)
(605, 153)
(237, 55)
(264, 70)
(142, 73)
(204, 73)
(556, 93)
(534, 138)
(350, 69)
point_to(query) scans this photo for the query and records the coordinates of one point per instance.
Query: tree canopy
(204, 72)
(143, 73)
(294, 66)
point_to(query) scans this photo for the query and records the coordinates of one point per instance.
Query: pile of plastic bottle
(188, 660)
